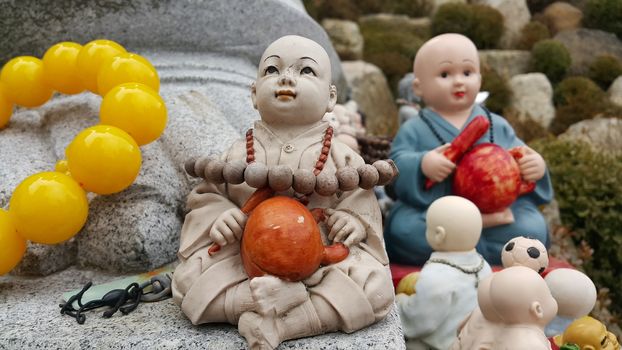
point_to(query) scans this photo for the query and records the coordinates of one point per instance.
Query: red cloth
(398, 271)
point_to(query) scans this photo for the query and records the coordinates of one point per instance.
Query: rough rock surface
(346, 38)
(370, 91)
(206, 58)
(532, 97)
(562, 16)
(508, 63)
(603, 134)
(515, 15)
(615, 91)
(585, 45)
(30, 319)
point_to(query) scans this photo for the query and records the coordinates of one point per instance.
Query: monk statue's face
(447, 73)
(293, 82)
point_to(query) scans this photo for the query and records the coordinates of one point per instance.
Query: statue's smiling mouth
(285, 94)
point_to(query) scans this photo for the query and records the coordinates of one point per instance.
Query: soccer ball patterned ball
(523, 251)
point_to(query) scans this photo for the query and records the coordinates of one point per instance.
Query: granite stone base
(30, 319)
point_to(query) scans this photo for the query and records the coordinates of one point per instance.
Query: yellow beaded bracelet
(51, 207)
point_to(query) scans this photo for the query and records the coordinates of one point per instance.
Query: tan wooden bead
(326, 184)
(348, 178)
(385, 172)
(200, 164)
(280, 178)
(213, 171)
(368, 176)
(189, 167)
(256, 175)
(304, 181)
(233, 172)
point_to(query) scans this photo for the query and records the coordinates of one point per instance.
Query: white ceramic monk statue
(292, 93)
(447, 284)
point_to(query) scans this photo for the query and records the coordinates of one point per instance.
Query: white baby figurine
(447, 285)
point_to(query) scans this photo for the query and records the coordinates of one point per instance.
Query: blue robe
(405, 227)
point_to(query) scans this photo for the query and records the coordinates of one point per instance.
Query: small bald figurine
(292, 93)
(519, 303)
(448, 79)
(446, 289)
(575, 294)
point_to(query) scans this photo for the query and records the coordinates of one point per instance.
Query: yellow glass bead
(127, 68)
(407, 284)
(12, 245)
(60, 68)
(23, 81)
(48, 207)
(136, 109)
(6, 108)
(92, 56)
(62, 166)
(103, 159)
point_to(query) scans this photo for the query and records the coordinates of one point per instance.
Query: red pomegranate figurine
(489, 176)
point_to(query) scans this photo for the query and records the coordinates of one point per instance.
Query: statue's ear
(439, 235)
(536, 310)
(417, 87)
(254, 95)
(332, 98)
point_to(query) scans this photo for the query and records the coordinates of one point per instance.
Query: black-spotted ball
(523, 251)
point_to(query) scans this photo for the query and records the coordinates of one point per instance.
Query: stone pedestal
(30, 319)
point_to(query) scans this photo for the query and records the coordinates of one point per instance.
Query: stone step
(30, 319)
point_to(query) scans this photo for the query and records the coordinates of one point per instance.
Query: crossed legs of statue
(346, 296)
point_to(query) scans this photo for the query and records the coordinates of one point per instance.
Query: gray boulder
(585, 45)
(235, 28)
(515, 15)
(615, 92)
(532, 97)
(604, 135)
(206, 57)
(31, 320)
(508, 63)
(346, 38)
(371, 92)
(560, 16)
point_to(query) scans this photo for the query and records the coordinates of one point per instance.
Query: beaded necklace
(319, 165)
(441, 139)
(473, 271)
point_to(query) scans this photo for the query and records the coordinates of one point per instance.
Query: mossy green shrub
(500, 92)
(578, 89)
(604, 15)
(525, 127)
(391, 46)
(339, 9)
(552, 58)
(411, 8)
(588, 188)
(604, 70)
(353, 9)
(481, 23)
(577, 99)
(531, 33)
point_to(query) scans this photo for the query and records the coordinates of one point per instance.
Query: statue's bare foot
(274, 295)
(261, 333)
